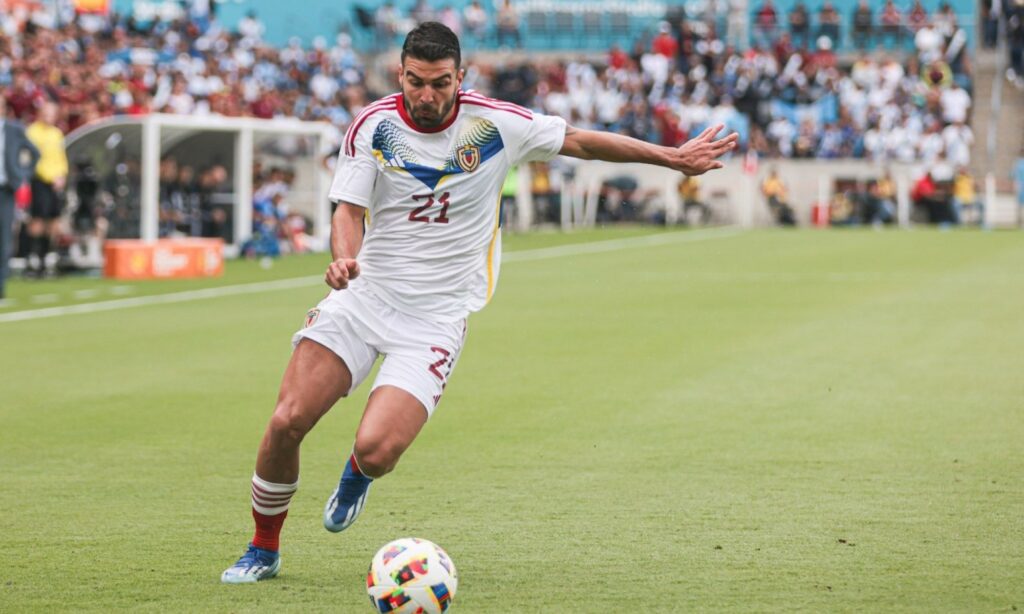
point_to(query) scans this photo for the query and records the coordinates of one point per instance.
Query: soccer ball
(411, 576)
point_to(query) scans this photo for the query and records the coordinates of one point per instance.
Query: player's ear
(401, 75)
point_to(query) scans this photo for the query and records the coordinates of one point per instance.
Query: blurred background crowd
(885, 81)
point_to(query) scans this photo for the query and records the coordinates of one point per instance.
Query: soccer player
(427, 165)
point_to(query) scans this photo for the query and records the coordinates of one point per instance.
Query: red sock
(268, 530)
(269, 509)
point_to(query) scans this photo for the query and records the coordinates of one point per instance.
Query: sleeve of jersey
(355, 175)
(540, 139)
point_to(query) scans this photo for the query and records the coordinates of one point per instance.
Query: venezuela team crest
(468, 158)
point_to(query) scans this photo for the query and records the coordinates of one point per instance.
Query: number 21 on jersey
(422, 213)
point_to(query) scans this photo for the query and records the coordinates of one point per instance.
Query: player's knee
(288, 422)
(377, 458)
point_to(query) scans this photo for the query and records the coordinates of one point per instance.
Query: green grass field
(722, 421)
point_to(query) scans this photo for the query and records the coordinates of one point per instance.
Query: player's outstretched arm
(694, 157)
(346, 241)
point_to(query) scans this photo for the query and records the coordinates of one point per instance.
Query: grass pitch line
(162, 299)
(594, 247)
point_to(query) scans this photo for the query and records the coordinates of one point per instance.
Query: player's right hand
(341, 272)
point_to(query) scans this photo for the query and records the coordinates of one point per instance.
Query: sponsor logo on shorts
(311, 317)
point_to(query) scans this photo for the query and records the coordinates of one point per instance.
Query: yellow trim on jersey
(490, 250)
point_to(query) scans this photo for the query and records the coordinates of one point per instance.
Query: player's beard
(430, 120)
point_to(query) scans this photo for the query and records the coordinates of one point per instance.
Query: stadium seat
(593, 28)
(537, 29)
(565, 32)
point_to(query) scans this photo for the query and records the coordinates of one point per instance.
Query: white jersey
(433, 245)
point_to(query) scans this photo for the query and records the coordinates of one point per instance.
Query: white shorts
(419, 355)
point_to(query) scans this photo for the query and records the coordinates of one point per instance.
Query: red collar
(404, 114)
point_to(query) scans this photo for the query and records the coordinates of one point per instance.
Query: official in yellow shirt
(47, 187)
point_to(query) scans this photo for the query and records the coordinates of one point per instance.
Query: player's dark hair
(432, 41)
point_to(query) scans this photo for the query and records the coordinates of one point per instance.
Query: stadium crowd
(785, 98)
(788, 94)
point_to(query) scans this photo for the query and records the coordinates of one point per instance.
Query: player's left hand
(700, 154)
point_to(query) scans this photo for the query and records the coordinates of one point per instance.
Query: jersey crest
(468, 158)
(478, 140)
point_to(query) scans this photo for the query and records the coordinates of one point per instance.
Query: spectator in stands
(917, 18)
(47, 188)
(665, 44)
(1015, 39)
(828, 22)
(936, 75)
(385, 21)
(774, 190)
(451, 19)
(422, 12)
(956, 103)
(476, 21)
(863, 25)
(766, 23)
(958, 139)
(736, 34)
(928, 42)
(251, 29)
(955, 53)
(891, 21)
(508, 25)
(800, 25)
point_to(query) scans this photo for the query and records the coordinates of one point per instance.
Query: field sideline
(746, 421)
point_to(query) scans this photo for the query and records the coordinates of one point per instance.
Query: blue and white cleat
(347, 500)
(255, 565)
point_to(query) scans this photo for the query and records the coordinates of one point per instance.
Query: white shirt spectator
(323, 86)
(892, 73)
(955, 102)
(182, 103)
(608, 103)
(782, 131)
(476, 19)
(874, 145)
(929, 44)
(251, 28)
(959, 138)
(931, 146)
(942, 170)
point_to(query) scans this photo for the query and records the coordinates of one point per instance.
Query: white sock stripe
(268, 511)
(272, 497)
(271, 502)
(271, 487)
